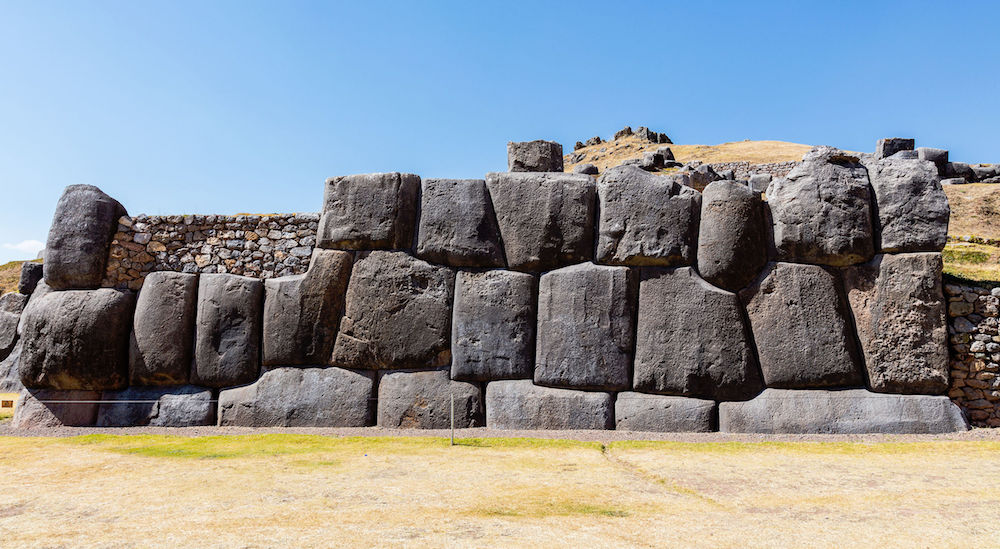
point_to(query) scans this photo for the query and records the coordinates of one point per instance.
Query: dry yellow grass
(975, 210)
(10, 274)
(309, 491)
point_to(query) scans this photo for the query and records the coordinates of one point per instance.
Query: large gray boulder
(892, 145)
(422, 400)
(11, 306)
(585, 327)
(76, 340)
(665, 414)
(369, 211)
(301, 397)
(534, 156)
(646, 219)
(913, 210)
(899, 312)
(546, 219)
(31, 275)
(457, 224)
(397, 315)
(162, 342)
(302, 312)
(691, 339)
(10, 378)
(821, 211)
(938, 156)
(227, 330)
(518, 404)
(493, 326)
(732, 242)
(80, 236)
(157, 406)
(800, 324)
(854, 411)
(41, 408)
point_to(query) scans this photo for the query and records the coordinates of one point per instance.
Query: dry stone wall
(974, 319)
(743, 170)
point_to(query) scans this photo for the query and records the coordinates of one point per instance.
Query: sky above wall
(247, 106)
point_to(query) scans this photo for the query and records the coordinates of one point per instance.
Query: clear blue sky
(233, 106)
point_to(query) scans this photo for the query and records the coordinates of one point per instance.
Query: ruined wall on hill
(743, 170)
(973, 313)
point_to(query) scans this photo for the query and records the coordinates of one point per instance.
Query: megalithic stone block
(157, 406)
(369, 212)
(519, 404)
(457, 224)
(546, 219)
(31, 275)
(11, 305)
(79, 239)
(422, 400)
(534, 156)
(665, 414)
(892, 145)
(40, 408)
(162, 342)
(732, 242)
(913, 210)
(10, 378)
(227, 330)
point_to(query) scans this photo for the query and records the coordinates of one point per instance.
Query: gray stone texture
(77, 248)
(369, 211)
(10, 378)
(398, 314)
(585, 327)
(664, 414)
(546, 219)
(457, 224)
(691, 339)
(959, 169)
(646, 219)
(493, 326)
(422, 400)
(759, 182)
(518, 404)
(937, 156)
(76, 340)
(301, 397)
(587, 169)
(899, 312)
(801, 325)
(11, 306)
(913, 210)
(854, 411)
(821, 211)
(227, 330)
(185, 406)
(732, 242)
(534, 156)
(302, 312)
(47, 408)
(162, 342)
(31, 275)
(892, 145)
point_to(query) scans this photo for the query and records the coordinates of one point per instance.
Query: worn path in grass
(316, 491)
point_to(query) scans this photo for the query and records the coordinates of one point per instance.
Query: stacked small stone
(743, 170)
(975, 352)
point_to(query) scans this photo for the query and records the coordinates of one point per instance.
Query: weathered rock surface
(585, 327)
(852, 411)
(157, 406)
(546, 219)
(76, 340)
(31, 275)
(369, 211)
(79, 238)
(518, 404)
(959, 169)
(534, 156)
(10, 378)
(665, 414)
(821, 211)
(899, 312)
(800, 324)
(732, 242)
(892, 145)
(588, 169)
(912, 208)
(162, 341)
(39, 408)
(457, 224)
(301, 397)
(493, 326)
(422, 400)
(938, 156)
(646, 219)
(227, 330)
(691, 339)
(302, 312)
(11, 305)
(759, 182)
(398, 314)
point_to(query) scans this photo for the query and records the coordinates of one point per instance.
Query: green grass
(542, 509)
(965, 256)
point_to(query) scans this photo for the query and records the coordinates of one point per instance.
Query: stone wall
(743, 170)
(975, 351)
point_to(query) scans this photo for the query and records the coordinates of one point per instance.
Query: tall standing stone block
(76, 340)
(534, 156)
(79, 239)
(646, 219)
(302, 312)
(162, 342)
(800, 323)
(821, 211)
(422, 400)
(457, 224)
(585, 327)
(11, 306)
(546, 219)
(369, 211)
(732, 242)
(227, 330)
(691, 339)
(31, 275)
(397, 315)
(913, 210)
(892, 145)
(899, 311)
(518, 404)
(493, 326)
(157, 406)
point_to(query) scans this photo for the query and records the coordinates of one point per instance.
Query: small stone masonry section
(975, 352)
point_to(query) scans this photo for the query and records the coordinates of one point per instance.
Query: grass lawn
(314, 491)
